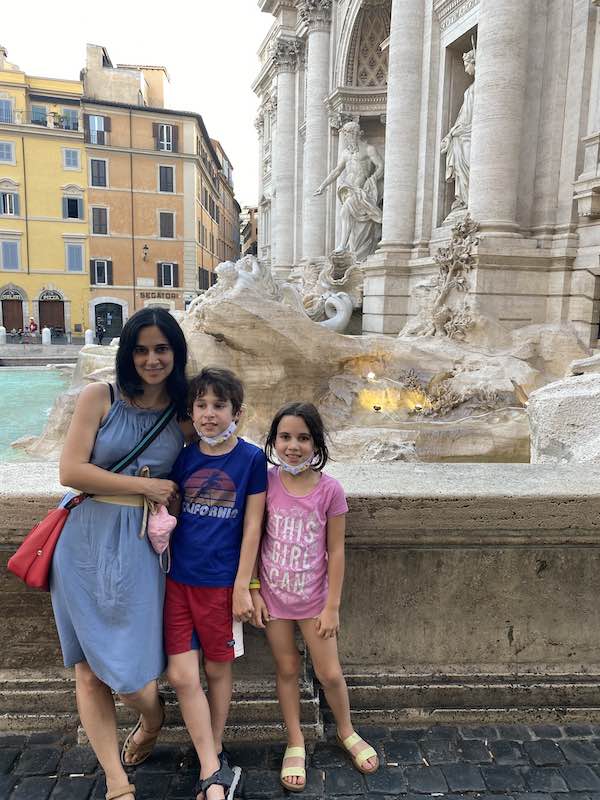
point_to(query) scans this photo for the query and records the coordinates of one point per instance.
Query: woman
(107, 586)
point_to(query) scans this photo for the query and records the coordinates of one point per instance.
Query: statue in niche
(457, 143)
(360, 167)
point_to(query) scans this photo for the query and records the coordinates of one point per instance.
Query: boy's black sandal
(222, 777)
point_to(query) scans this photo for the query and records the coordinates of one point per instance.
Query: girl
(106, 583)
(301, 576)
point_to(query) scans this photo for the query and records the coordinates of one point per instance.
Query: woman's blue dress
(106, 583)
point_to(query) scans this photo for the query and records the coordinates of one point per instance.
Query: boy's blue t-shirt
(206, 544)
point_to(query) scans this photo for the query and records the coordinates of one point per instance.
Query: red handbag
(31, 563)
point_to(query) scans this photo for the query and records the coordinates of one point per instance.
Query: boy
(222, 482)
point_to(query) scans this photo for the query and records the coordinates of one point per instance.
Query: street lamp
(145, 249)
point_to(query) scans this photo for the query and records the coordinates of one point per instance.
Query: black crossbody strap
(147, 440)
(124, 462)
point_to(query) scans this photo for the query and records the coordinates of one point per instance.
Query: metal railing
(51, 120)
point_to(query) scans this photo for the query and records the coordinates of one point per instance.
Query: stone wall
(470, 593)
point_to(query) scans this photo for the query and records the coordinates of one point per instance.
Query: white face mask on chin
(296, 469)
(212, 441)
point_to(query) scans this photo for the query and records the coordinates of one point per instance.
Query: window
(39, 115)
(204, 236)
(71, 159)
(212, 242)
(72, 207)
(166, 179)
(167, 226)
(100, 221)
(165, 137)
(101, 272)
(217, 214)
(203, 279)
(96, 127)
(167, 274)
(7, 152)
(6, 111)
(70, 119)
(98, 171)
(74, 257)
(9, 255)
(9, 204)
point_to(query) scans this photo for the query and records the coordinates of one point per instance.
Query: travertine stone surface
(364, 382)
(466, 575)
(532, 175)
(565, 421)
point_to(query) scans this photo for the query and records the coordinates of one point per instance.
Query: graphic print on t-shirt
(293, 549)
(210, 492)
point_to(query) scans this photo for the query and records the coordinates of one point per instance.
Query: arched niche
(360, 61)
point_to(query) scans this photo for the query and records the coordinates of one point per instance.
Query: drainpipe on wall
(132, 219)
(26, 209)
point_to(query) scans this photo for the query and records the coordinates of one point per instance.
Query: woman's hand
(261, 614)
(159, 490)
(328, 623)
(243, 610)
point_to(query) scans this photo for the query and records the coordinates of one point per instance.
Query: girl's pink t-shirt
(293, 561)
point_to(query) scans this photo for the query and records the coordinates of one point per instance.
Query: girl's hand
(243, 610)
(261, 614)
(159, 490)
(328, 623)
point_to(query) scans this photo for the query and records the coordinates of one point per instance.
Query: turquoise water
(27, 396)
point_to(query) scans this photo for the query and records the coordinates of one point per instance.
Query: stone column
(317, 14)
(285, 56)
(402, 128)
(259, 123)
(387, 271)
(500, 83)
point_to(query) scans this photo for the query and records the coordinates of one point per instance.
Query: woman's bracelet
(254, 583)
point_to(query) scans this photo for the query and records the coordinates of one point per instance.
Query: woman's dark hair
(224, 383)
(128, 380)
(314, 423)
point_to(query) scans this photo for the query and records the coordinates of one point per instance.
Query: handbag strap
(160, 424)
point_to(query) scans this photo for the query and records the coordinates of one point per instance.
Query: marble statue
(360, 168)
(439, 315)
(457, 142)
(315, 292)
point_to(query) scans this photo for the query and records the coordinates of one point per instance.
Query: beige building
(161, 196)
(249, 230)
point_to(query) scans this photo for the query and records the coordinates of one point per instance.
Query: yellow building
(43, 203)
(160, 194)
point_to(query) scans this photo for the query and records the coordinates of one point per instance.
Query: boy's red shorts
(199, 617)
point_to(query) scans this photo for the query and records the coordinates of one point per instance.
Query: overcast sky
(208, 47)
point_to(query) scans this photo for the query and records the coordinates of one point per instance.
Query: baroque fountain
(451, 387)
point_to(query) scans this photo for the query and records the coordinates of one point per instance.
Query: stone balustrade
(470, 593)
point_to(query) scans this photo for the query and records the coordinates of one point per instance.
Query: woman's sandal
(293, 772)
(224, 777)
(140, 752)
(358, 759)
(122, 791)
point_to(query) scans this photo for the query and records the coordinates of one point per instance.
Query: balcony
(51, 120)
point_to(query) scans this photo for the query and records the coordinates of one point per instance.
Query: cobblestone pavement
(543, 762)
